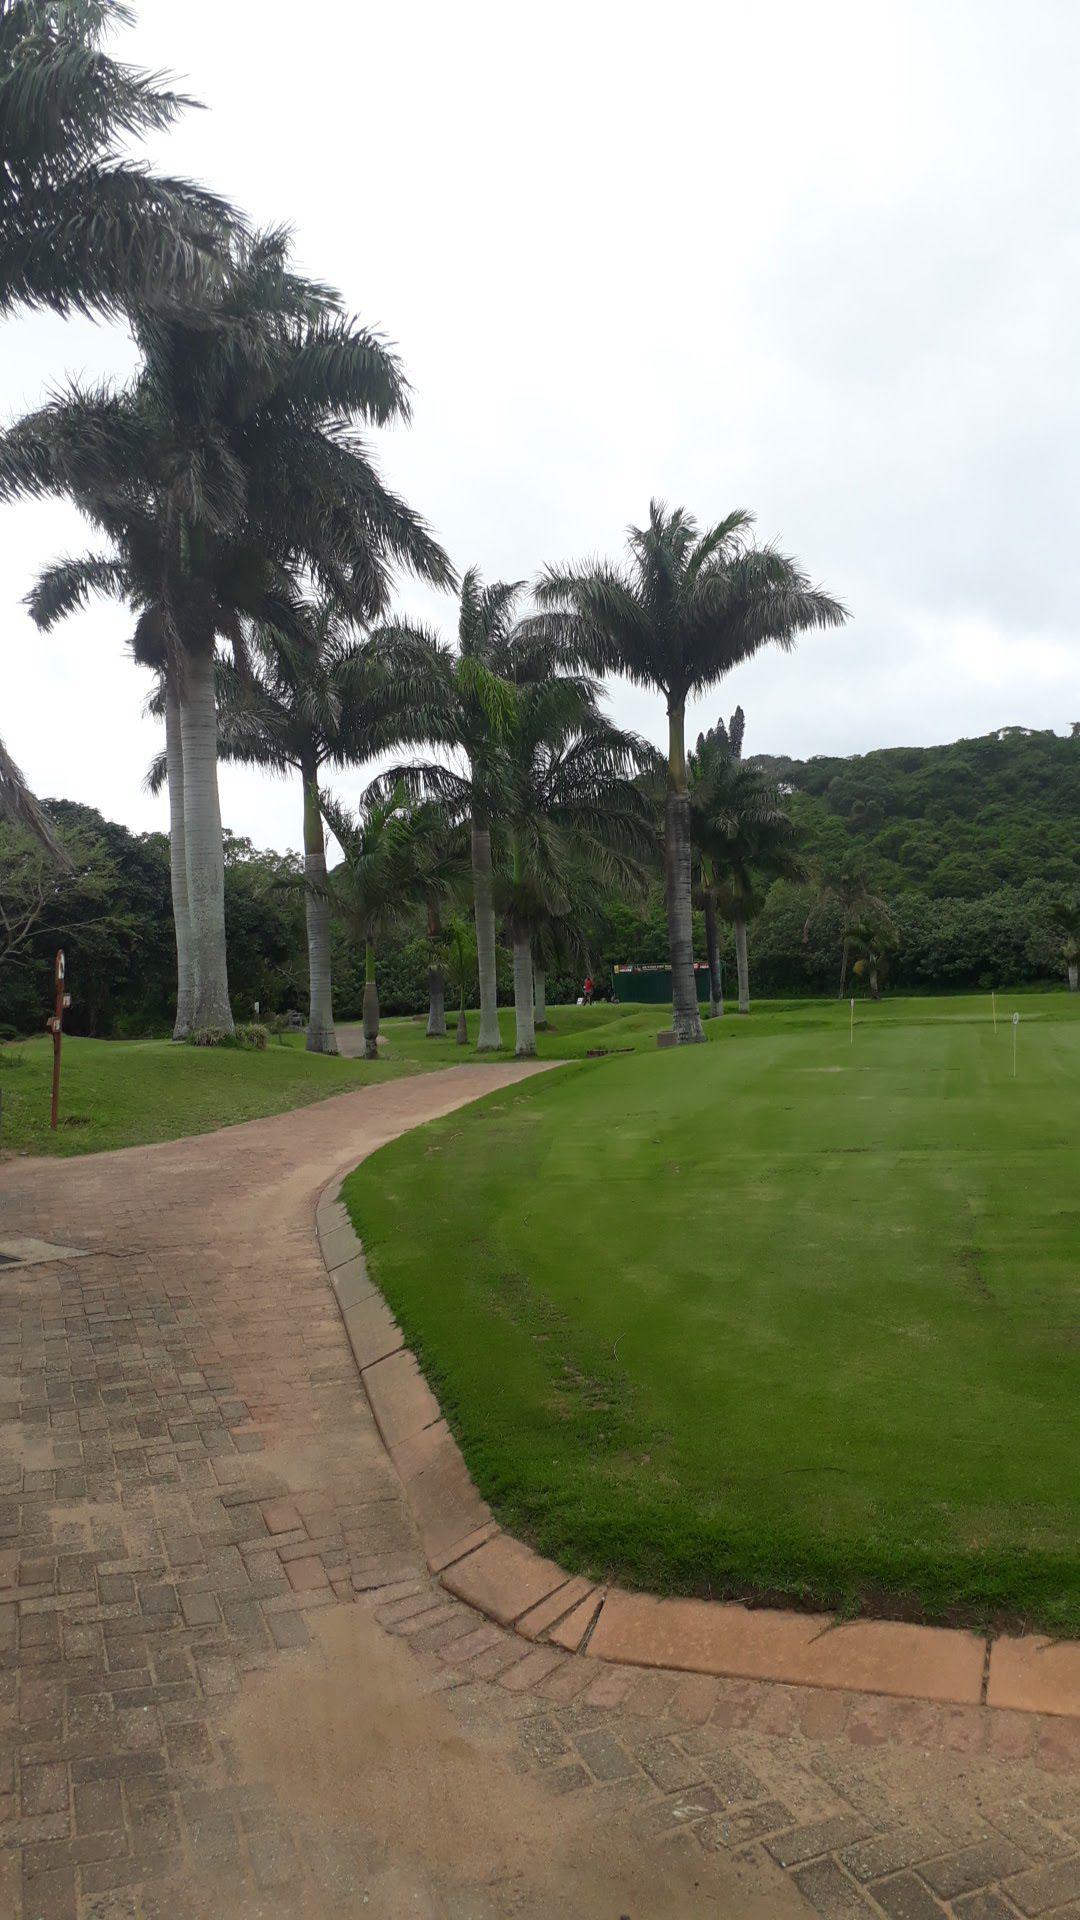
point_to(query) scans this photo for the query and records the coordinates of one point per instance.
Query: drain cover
(24, 1251)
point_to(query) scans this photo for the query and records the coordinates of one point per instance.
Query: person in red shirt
(588, 990)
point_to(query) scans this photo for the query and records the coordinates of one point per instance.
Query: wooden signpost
(55, 1023)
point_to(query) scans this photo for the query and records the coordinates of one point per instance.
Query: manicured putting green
(780, 1316)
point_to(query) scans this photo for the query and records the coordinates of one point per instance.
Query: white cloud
(820, 261)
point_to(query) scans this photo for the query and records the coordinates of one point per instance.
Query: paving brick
(817, 1837)
(289, 1629)
(99, 1806)
(983, 1906)
(50, 1896)
(734, 1781)
(905, 1898)
(886, 1853)
(1026, 1830)
(200, 1609)
(604, 1756)
(830, 1892)
(669, 1767)
(972, 1867)
(306, 1574)
(280, 1516)
(738, 1829)
(44, 1789)
(1044, 1888)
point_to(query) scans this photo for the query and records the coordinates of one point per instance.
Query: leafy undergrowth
(783, 1317)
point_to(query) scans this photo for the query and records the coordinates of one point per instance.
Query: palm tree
(571, 804)
(102, 452)
(468, 712)
(81, 224)
(238, 445)
(284, 710)
(459, 961)
(446, 874)
(1066, 917)
(689, 607)
(872, 939)
(18, 805)
(848, 892)
(299, 708)
(740, 833)
(391, 855)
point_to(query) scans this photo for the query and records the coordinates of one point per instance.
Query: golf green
(788, 1316)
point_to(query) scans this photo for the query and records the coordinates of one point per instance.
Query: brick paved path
(229, 1687)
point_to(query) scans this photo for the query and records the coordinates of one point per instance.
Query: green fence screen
(653, 984)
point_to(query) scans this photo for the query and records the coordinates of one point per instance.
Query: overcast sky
(822, 261)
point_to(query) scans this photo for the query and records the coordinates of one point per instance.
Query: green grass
(571, 1031)
(780, 1316)
(123, 1093)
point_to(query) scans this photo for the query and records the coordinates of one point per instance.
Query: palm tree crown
(81, 225)
(231, 471)
(686, 608)
(19, 806)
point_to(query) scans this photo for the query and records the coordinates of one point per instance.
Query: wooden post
(57, 1025)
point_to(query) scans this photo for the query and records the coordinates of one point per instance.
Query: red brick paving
(189, 1474)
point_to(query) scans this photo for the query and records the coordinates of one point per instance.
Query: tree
(300, 708)
(239, 446)
(741, 834)
(392, 856)
(459, 960)
(849, 893)
(1066, 918)
(81, 224)
(444, 877)
(688, 608)
(571, 805)
(18, 805)
(65, 883)
(872, 939)
(467, 711)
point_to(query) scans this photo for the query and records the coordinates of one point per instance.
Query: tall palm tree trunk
(1074, 976)
(489, 1036)
(845, 949)
(321, 1037)
(686, 1017)
(712, 941)
(436, 1020)
(174, 773)
(524, 1027)
(203, 843)
(742, 964)
(539, 997)
(371, 1005)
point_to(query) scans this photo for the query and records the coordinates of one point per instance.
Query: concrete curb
(488, 1569)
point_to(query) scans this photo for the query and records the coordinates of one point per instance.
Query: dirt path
(230, 1688)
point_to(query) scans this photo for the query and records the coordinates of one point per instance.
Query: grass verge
(782, 1317)
(124, 1093)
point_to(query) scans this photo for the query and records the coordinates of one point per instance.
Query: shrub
(250, 1033)
(246, 1033)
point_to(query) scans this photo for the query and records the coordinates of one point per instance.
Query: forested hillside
(953, 822)
(971, 845)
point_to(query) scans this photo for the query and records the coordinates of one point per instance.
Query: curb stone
(503, 1579)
